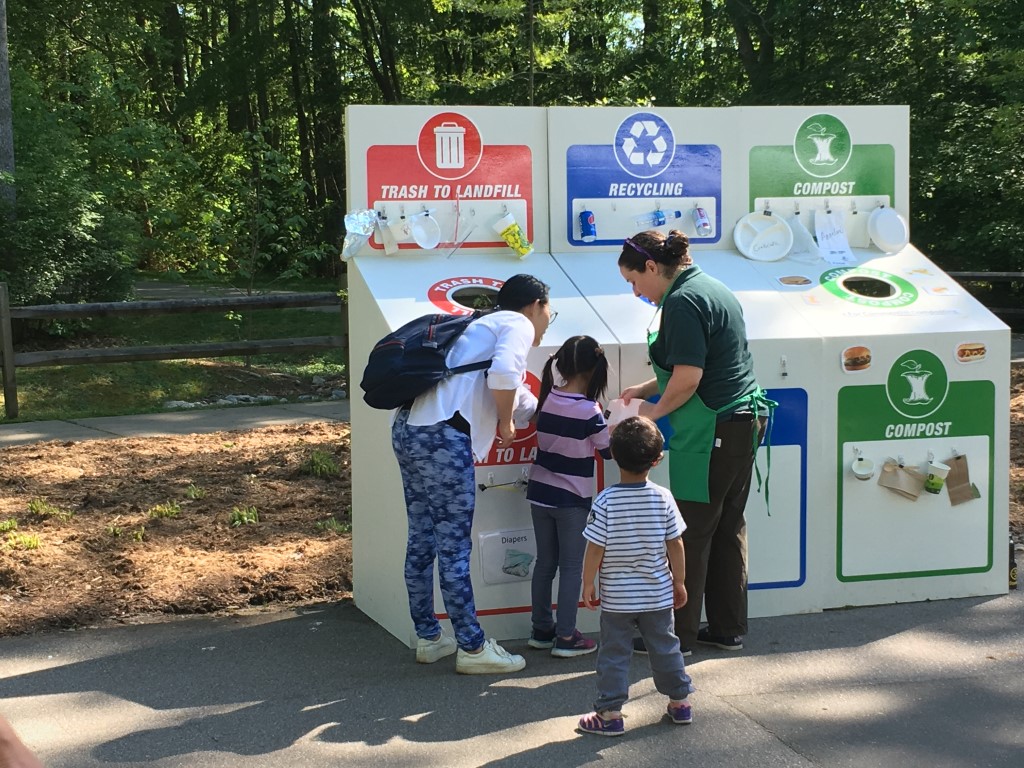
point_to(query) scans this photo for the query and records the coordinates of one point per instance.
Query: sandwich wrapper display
(958, 481)
(905, 481)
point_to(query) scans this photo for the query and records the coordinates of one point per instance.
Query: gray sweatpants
(616, 651)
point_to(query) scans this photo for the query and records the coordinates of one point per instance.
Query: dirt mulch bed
(104, 554)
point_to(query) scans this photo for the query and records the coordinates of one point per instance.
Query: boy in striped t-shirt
(634, 537)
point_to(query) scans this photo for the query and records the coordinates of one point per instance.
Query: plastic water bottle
(657, 218)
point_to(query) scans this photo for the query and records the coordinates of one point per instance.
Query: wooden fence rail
(991, 277)
(13, 360)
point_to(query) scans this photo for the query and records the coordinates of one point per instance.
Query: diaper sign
(507, 556)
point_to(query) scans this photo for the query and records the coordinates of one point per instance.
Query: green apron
(693, 437)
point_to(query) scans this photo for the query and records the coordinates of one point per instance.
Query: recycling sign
(644, 145)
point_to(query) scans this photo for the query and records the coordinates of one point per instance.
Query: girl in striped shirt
(570, 428)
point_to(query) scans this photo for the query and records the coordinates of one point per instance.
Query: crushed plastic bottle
(657, 218)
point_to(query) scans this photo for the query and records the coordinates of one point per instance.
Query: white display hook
(857, 452)
(931, 457)
(853, 207)
(900, 461)
(782, 365)
(504, 208)
(828, 208)
(796, 207)
(767, 207)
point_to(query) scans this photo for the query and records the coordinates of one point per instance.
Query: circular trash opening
(475, 297)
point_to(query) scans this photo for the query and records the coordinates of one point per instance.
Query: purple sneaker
(577, 645)
(681, 714)
(594, 723)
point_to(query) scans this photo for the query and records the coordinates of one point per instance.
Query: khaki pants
(715, 538)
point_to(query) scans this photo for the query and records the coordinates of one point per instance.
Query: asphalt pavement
(183, 422)
(922, 685)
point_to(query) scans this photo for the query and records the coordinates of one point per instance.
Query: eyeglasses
(552, 316)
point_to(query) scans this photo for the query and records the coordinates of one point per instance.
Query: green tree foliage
(208, 135)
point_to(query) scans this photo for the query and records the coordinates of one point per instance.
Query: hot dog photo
(856, 359)
(971, 352)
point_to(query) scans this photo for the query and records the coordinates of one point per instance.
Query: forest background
(207, 137)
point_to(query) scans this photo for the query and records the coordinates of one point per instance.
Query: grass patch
(6, 526)
(40, 508)
(243, 516)
(170, 509)
(82, 391)
(333, 526)
(194, 492)
(319, 464)
(22, 541)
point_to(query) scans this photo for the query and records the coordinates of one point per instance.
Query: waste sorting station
(885, 474)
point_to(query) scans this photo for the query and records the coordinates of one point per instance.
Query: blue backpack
(411, 360)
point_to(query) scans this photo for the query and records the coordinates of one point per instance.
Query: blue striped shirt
(632, 521)
(569, 429)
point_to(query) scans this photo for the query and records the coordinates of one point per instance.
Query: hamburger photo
(856, 358)
(970, 353)
(795, 280)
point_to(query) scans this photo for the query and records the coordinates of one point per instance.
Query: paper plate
(888, 230)
(763, 237)
(425, 231)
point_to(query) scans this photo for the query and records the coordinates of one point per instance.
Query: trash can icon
(451, 145)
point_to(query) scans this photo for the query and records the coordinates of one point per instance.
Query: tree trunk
(8, 195)
(758, 62)
(298, 95)
(378, 49)
(239, 114)
(329, 160)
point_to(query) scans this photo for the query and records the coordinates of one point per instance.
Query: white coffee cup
(937, 472)
(863, 469)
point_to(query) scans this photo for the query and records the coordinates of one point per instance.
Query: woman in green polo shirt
(704, 374)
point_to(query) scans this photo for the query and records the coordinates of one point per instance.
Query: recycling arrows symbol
(629, 144)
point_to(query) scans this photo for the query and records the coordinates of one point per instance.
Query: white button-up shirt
(505, 338)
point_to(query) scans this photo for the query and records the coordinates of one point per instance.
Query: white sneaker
(429, 651)
(491, 658)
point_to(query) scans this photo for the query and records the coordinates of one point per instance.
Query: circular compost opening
(869, 287)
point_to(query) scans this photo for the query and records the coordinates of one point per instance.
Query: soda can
(588, 229)
(702, 223)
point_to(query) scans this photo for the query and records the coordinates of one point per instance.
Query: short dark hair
(520, 291)
(636, 444)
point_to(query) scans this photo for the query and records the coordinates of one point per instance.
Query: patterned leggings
(439, 479)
